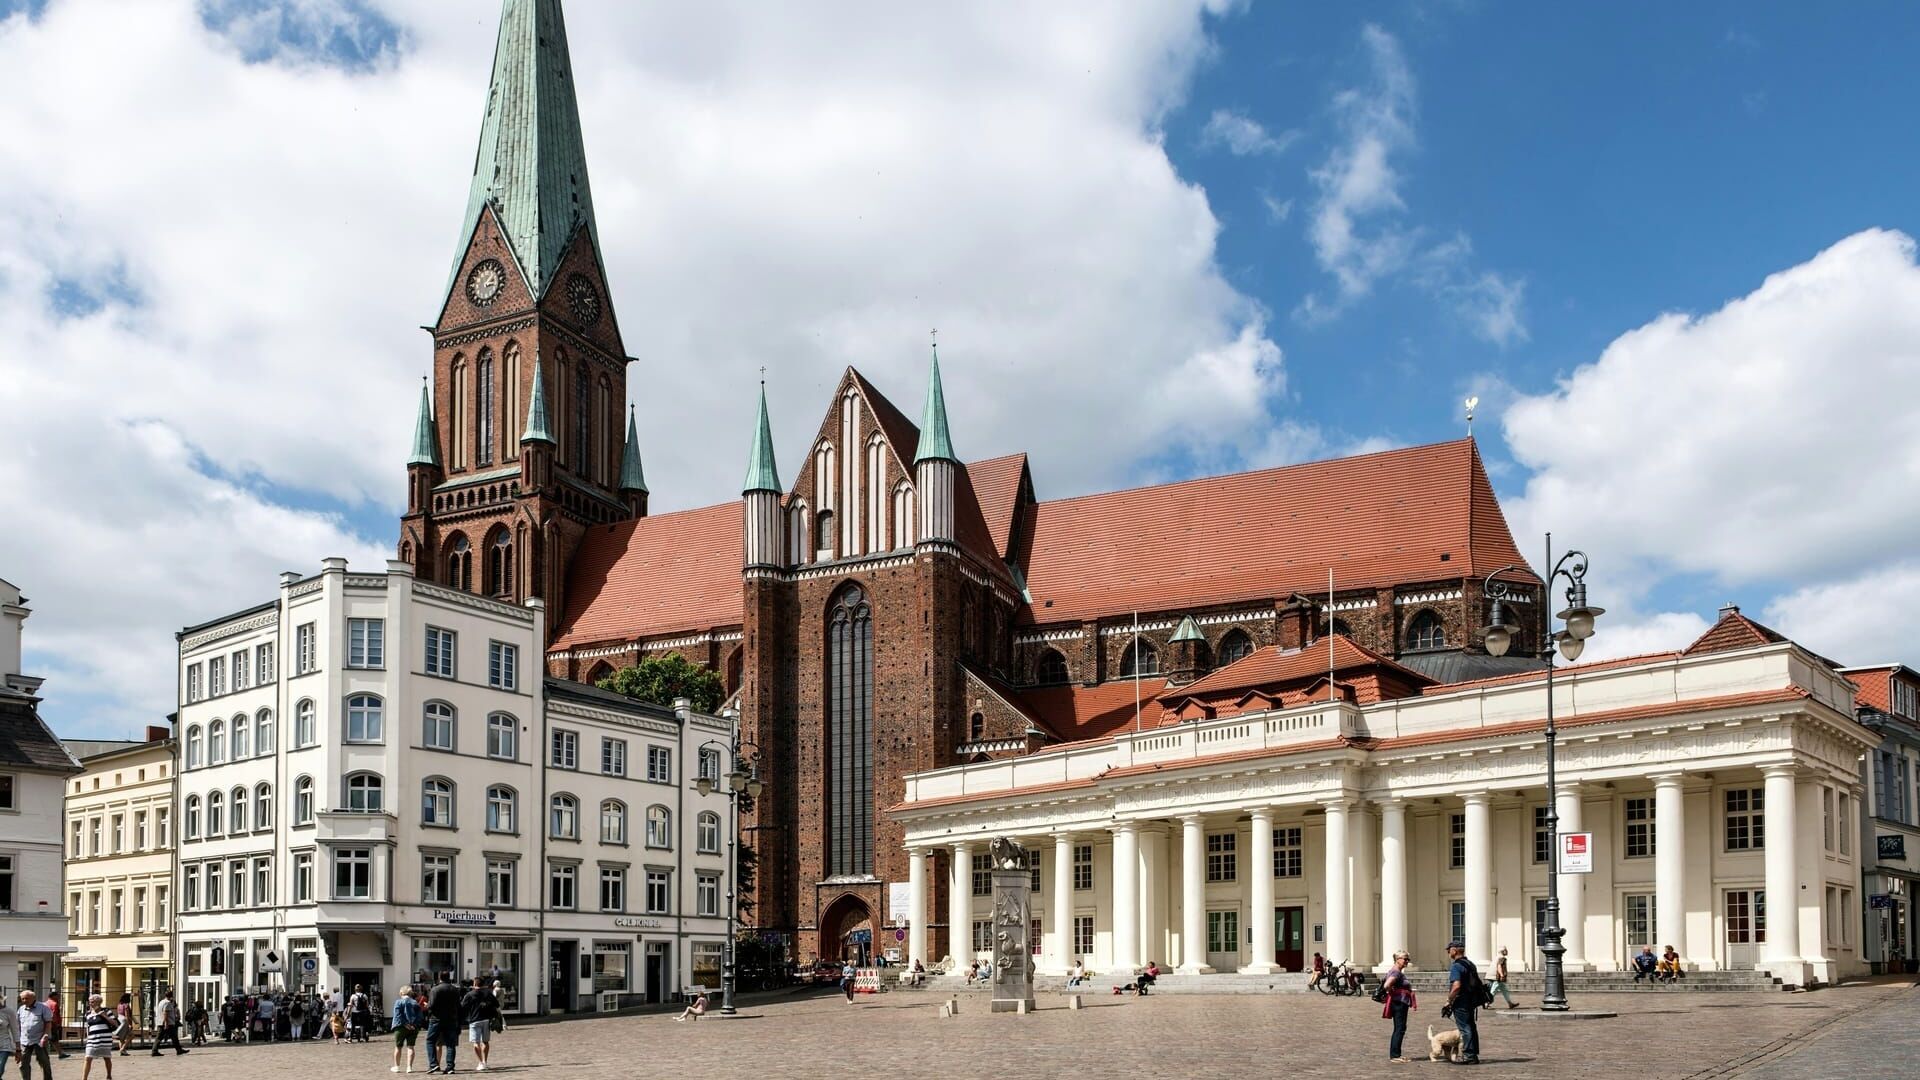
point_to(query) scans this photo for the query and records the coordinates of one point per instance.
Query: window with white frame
(239, 667)
(216, 676)
(304, 732)
(352, 873)
(436, 879)
(6, 883)
(706, 894)
(366, 719)
(1905, 701)
(503, 663)
(365, 793)
(193, 746)
(613, 822)
(262, 880)
(982, 935)
(1746, 819)
(982, 875)
(440, 652)
(239, 803)
(216, 805)
(659, 765)
(1542, 834)
(708, 833)
(613, 888)
(613, 757)
(1083, 935)
(192, 819)
(189, 895)
(216, 742)
(1221, 856)
(566, 749)
(303, 648)
(503, 737)
(303, 801)
(302, 877)
(1826, 818)
(564, 814)
(193, 683)
(436, 726)
(1082, 867)
(1845, 809)
(264, 671)
(659, 827)
(500, 808)
(1638, 815)
(1456, 841)
(500, 882)
(436, 802)
(1288, 852)
(264, 739)
(263, 806)
(242, 739)
(659, 892)
(1457, 920)
(366, 643)
(563, 887)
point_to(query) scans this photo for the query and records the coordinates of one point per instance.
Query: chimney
(1729, 608)
(156, 733)
(1294, 622)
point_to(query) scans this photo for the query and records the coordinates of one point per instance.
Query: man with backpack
(1466, 993)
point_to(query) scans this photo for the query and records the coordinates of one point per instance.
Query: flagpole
(1329, 633)
(1135, 646)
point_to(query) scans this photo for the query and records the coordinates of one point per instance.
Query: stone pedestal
(1012, 908)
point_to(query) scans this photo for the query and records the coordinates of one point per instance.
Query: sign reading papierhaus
(464, 917)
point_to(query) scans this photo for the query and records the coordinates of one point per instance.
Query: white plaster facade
(119, 886)
(1890, 827)
(33, 930)
(1711, 783)
(429, 840)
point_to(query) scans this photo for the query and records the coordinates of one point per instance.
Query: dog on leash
(1444, 1046)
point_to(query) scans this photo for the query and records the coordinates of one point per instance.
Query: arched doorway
(846, 930)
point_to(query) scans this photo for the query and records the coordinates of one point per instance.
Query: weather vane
(1472, 403)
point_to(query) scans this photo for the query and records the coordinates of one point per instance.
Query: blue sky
(1666, 245)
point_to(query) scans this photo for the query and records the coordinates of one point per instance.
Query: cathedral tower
(524, 450)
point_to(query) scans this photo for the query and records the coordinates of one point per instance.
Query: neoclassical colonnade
(1180, 847)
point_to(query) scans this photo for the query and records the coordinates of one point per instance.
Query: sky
(1669, 248)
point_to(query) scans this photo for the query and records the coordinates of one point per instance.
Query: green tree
(660, 679)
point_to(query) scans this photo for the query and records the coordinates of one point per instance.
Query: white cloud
(1242, 135)
(1870, 618)
(1359, 230)
(1769, 441)
(232, 258)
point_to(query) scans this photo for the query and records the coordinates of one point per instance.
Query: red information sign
(1576, 853)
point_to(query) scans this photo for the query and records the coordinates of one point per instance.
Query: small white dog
(1444, 1046)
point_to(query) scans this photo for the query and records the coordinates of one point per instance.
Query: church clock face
(485, 282)
(582, 300)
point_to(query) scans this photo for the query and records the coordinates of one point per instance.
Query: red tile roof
(1089, 712)
(996, 487)
(1270, 665)
(1733, 631)
(1876, 686)
(671, 573)
(1378, 520)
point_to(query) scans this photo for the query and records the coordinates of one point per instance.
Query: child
(338, 1023)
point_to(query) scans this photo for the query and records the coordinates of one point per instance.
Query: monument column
(1670, 863)
(1573, 887)
(1193, 894)
(917, 906)
(1393, 879)
(1339, 943)
(1260, 915)
(1479, 877)
(1126, 896)
(1061, 903)
(960, 905)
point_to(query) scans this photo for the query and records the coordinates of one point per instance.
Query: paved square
(1664, 1035)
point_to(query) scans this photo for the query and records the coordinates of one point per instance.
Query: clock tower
(520, 449)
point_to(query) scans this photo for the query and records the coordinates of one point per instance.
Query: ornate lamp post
(1498, 637)
(744, 779)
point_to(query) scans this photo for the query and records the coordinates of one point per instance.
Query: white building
(33, 772)
(389, 787)
(120, 870)
(1721, 785)
(1889, 705)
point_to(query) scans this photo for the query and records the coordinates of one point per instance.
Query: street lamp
(743, 779)
(1498, 637)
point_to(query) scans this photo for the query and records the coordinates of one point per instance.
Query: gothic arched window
(460, 564)
(1425, 632)
(1235, 646)
(1140, 658)
(483, 411)
(1051, 668)
(850, 733)
(500, 564)
(458, 414)
(516, 423)
(976, 727)
(582, 421)
(903, 536)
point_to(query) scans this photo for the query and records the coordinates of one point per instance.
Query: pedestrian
(847, 978)
(696, 1010)
(167, 1025)
(97, 1042)
(359, 1013)
(1400, 1001)
(53, 1043)
(1466, 993)
(6, 1033)
(123, 1028)
(407, 1019)
(196, 1023)
(443, 1023)
(297, 1016)
(479, 1009)
(265, 1011)
(1499, 984)
(500, 995)
(32, 1026)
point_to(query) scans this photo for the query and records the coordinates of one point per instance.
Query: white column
(1479, 878)
(1363, 833)
(1193, 894)
(917, 906)
(1126, 896)
(1573, 887)
(1153, 892)
(1783, 886)
(1260, 906)
(1670, 863)
(1393, 880)
(960, 905)
(1339, 942)
(1062, 903)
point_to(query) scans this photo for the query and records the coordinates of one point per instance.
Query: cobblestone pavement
(1669, 1035)
(1880, 1039)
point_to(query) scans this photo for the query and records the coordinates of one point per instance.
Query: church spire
(426, 440)
(762, 473)
(632, 478)
(532, 162)
(539, 429)
(935, 442)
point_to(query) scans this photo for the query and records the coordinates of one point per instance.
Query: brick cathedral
(895, 607)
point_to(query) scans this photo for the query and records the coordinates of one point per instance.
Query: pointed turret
(537, 444)
(539, 429)
(426, 440)
(633, 479)
(1188, 648)
(531, 165)
(762, 493)
(934, 466)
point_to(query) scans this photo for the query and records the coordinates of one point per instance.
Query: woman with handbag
(1399, 1002)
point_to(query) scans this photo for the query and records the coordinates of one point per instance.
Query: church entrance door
(846, 931)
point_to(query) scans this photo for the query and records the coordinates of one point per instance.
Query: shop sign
(465, 917)
(637, 924)
(1893, 847)
(1879, 900)
(1576, 853)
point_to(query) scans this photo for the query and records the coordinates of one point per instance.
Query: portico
(1404, 823)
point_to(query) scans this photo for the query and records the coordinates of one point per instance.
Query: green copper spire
(426, 440)
(935, 443)
(1187, 631)
(762, 473)
(538, 427)
(531, 163)
(631, 477)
